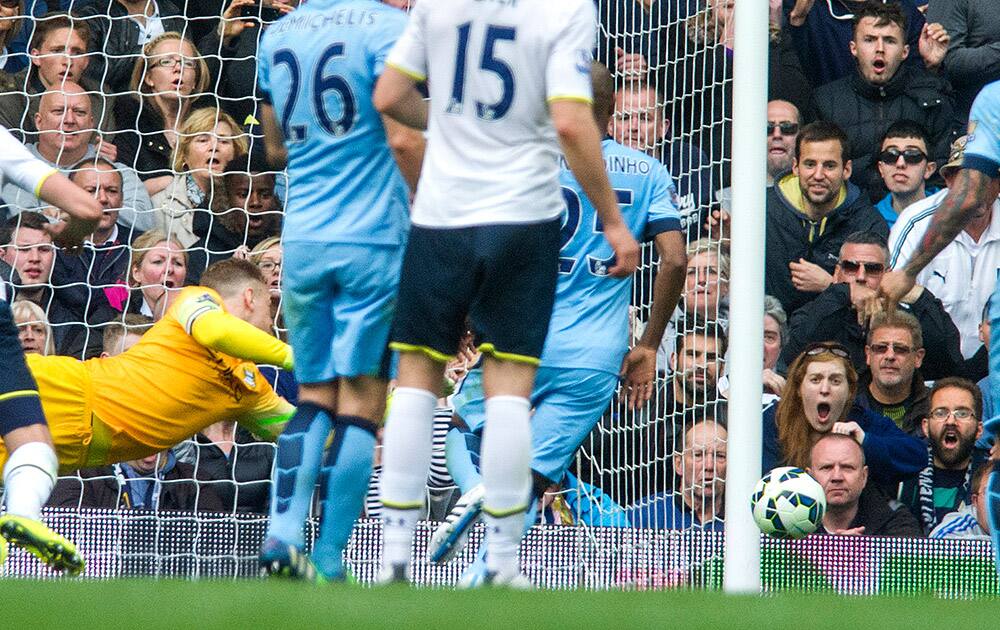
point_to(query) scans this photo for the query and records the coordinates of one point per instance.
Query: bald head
(65, 123)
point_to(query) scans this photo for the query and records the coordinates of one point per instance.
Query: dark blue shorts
(20, 405)
(503, 277)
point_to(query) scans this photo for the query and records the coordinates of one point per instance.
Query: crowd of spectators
(152, 107)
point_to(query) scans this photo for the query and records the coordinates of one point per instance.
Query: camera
(265, 13)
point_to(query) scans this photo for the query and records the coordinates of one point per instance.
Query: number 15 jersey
(317, 67)
(492, 65)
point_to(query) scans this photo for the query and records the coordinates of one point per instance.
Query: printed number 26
(322, 83)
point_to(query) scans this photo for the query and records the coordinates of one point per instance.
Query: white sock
(506, 467)
(406, 460)
(28, 478)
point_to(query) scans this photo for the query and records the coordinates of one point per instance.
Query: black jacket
(243, 478)
(864, 111)
(116, 35)
(105, 488)
(234, 67)
(918, 402)
(788, 236)
(831, 317)
(882, 516)
(140, 139)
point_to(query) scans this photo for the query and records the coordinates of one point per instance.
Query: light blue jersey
(317, 68)
(589, 324)
(982, 149)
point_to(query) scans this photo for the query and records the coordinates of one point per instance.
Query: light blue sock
(344, 484)
(300, 452)
(461, 451)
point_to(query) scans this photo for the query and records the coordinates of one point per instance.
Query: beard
(957, 455)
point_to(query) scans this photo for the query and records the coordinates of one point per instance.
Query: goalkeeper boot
(278, 559)
(43, 543)
(451, 536)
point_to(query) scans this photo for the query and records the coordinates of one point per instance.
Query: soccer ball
(788, 503)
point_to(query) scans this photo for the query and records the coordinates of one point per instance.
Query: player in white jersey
(32, 467)
(509, 83)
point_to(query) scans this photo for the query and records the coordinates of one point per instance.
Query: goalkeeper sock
(28, 478)
(406, 460)
(506, 468)
(343, 486)
(300, 450)
(461, 451)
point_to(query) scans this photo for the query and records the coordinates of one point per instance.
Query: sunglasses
(897, 348)
(854, 266)
(910, 156)
(831, 348)
(786, 128)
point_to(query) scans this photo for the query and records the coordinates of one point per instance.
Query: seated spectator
(267, 255)
(27, 247)
(905, 168)
(882, 90)
(810, 212)
(817, 400)
(952, 426)
(853, 506)
(33, 330)
(775, 337)
(120, 28)
(640, 122)
(166, 82)
(822, 33)
(892, 385)
(120, 336)
(58, 47)
(158, 482)
(157, 274)
(705, 297)
(231, 54)
(11, 23)
(208, 140)
(98, 271)
(973, 57)
(244, 216)
(970, 521)
(65, 124)
(963, 274)
(701, 499)
(836, 314)
(783, 123)
(233, 463)
(695, 365)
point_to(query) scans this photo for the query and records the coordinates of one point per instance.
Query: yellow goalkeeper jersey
(193, 368)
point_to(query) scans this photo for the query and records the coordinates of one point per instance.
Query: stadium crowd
(153, 108)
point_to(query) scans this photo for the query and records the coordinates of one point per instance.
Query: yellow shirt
(169, 386)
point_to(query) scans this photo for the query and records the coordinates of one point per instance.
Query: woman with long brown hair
(818, 398)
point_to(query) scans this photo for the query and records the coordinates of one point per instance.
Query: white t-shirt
(19, 166)
(492, 152)
(962, 276)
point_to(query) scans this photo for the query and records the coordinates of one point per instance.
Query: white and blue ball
(788, 503)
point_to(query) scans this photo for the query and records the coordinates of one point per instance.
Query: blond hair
(203, 120)
(30, 313)
(261, 248)
(146, 243)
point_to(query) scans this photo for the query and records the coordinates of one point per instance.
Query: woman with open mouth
(819, 398)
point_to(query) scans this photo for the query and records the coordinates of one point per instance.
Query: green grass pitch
(275, 605)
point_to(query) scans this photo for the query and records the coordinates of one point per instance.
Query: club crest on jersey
(249, 378)
(583, 60)
(205, 297)
(971, 132)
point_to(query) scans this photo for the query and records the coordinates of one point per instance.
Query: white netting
(184, 183)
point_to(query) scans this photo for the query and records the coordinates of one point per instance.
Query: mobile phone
(265, 13)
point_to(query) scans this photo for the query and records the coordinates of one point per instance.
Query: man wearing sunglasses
(783, 122)
(883, 89)
(905, 168)
(838, 313)
(963, 274)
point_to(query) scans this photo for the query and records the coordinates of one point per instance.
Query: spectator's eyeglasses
(786, 128)
(897, 348)
(171, 62)
(268, 266)
(942, 413)
(910, 156)
(854, 266)
(827, 347)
